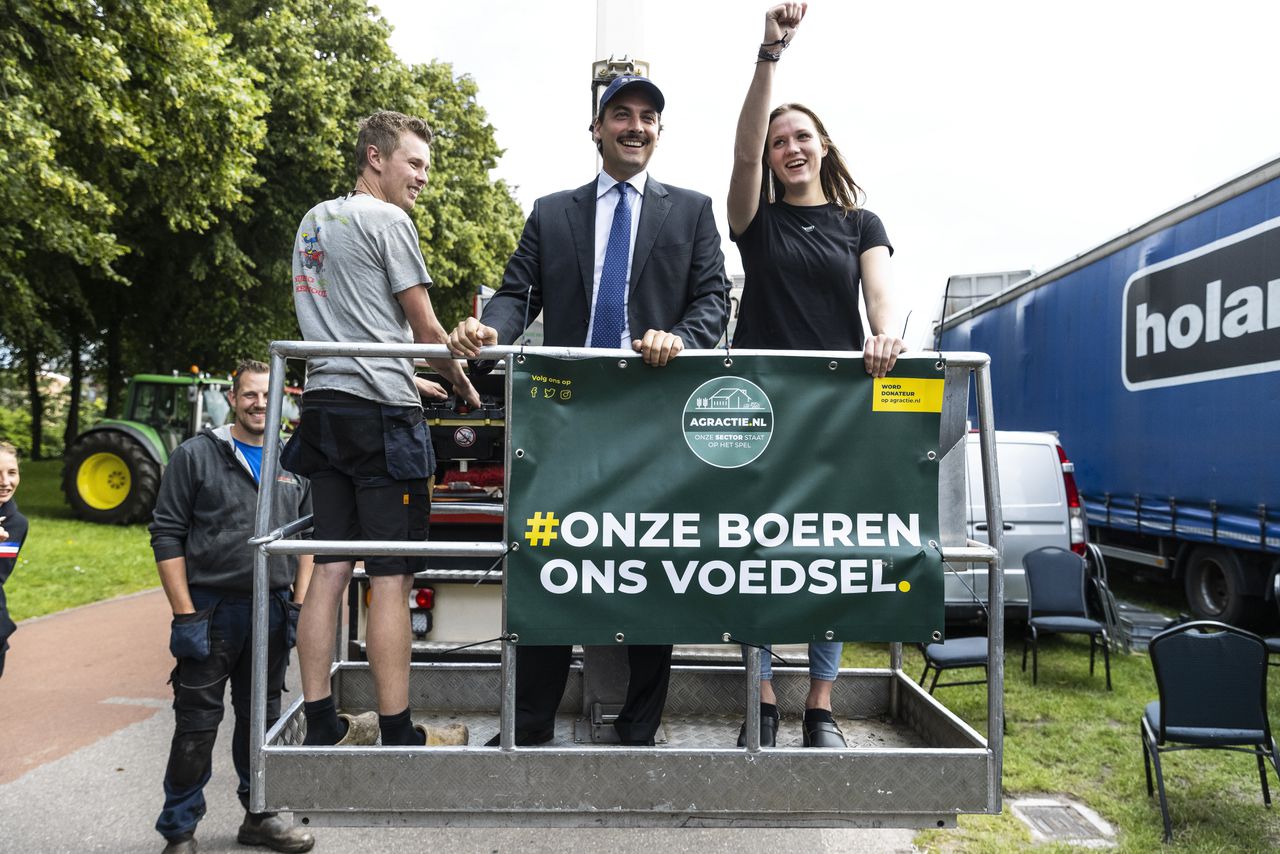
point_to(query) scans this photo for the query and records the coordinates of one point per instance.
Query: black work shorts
(370, 467)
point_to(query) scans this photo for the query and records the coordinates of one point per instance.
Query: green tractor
(112, 471)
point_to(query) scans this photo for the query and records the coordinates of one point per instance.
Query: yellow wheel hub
(103, 481)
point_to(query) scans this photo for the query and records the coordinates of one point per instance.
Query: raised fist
(782, 21)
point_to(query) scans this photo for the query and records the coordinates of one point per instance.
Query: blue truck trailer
(1156, 358)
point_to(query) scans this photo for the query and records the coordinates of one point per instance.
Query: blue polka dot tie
(609, 311)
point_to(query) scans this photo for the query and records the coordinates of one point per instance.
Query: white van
(1041, 507)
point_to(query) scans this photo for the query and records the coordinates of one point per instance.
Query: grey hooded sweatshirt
(205, 513)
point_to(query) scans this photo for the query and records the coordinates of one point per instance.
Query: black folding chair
(954, 654)
(1273, 644)
(1056, 605)
(1100, 595)
(1212, 680)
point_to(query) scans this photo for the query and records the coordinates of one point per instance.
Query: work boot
(274, 832)
(435, 735)
(180, 846)
(362, 729)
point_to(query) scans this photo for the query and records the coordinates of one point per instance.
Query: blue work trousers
(199, 685)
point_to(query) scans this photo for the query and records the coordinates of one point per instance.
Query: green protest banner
(780, 498)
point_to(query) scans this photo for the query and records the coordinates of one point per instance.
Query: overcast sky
(988, 135)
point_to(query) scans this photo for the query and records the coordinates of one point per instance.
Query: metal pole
(975, 553)
(261, 591)
(995, 587)
(895, 665)
(295, 527)
(507, 711)
(367, 548)
(339, 648)
(753, 699)
(507, 707)
(304, 349)
(619, 28)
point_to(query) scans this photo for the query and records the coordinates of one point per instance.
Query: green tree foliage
(156, 157)
(56, 66)
(324, 66)
(15, 414)
(468, 224)
(138, 127)
(200, 116)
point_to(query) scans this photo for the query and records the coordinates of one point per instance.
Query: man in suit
(623, 261)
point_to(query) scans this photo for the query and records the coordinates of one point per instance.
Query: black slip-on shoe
(525, 738)
(768, 732)
(823, 734)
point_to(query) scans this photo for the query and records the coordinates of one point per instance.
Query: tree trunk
(77, 380)
(37, 404)
(114, 385)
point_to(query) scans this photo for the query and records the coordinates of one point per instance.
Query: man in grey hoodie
(203, 520)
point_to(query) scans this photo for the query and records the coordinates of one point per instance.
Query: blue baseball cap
(642, 84)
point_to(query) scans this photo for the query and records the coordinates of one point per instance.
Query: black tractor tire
(1215, 585)
(109, 478)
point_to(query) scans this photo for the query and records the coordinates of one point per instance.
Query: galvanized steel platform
(911, 762)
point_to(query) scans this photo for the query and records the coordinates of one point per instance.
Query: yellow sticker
(906, 394)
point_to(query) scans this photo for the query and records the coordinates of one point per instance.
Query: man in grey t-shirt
(372, 255)
(358, 276)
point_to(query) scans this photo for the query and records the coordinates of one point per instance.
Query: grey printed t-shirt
(351, 257)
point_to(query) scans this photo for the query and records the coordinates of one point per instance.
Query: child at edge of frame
(13, 533)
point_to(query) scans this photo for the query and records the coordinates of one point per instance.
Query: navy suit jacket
(678, 283)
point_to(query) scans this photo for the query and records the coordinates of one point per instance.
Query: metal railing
(269, 541)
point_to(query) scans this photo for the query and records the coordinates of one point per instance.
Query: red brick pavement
(61, 668)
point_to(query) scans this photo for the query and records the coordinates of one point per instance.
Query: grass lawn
(66, 562)
(1069, 735)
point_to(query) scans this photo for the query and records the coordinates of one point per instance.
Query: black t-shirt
(802, 276)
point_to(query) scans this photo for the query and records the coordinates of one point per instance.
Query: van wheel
(1215, 586)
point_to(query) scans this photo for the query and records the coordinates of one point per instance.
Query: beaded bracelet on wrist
(767, 55)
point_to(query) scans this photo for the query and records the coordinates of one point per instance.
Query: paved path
(74, 678)
(84, 740)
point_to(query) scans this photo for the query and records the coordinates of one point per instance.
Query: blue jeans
(198, 689)
(824, 661)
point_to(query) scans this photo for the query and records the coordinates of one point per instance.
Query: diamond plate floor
(694, 731)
